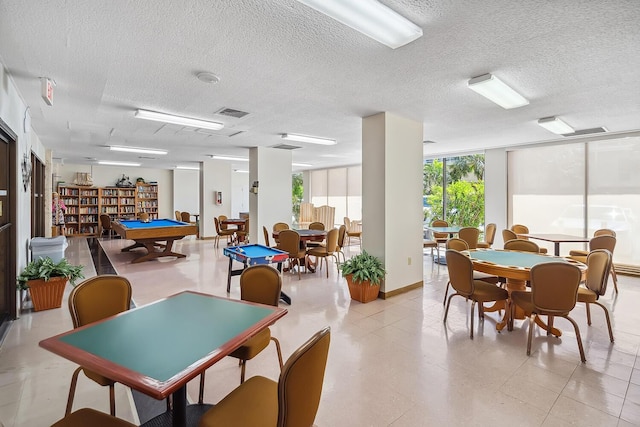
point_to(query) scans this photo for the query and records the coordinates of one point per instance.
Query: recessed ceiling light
(178, 120)
(497, 91)
(555, 125)
(371, 18)
(188, 168)
(137, 150)
(110, 163)
(208, 77)
(309, 139)
(234, 159)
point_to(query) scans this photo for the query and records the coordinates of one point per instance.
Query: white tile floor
(391, 363)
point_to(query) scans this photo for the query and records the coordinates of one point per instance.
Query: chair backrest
(144, 216)
(261, 284)
(554, 287)
(508, 235)
(300, 382)
(470, 235)
(217, 223)
(602, 242)
(521, 245)
(598, 268)
(99, 297)
(332, 240)
(604, 232)
(289, 241)
(105, 222)
(185, 216)
(460, 272)
(178, 216)
(457, 244)
(520, 229)
(316, 226)
(279, 226)
(266, 235)
(342, 231)
(490, 233)
(306, 214)
(326, 215)
(220, 219)
(440, 223)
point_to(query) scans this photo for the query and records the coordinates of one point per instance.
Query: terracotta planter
(363, 292)
(47, 295)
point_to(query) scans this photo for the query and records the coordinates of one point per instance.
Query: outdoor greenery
(45, 268)
(364, 267)
(464, 190)
(297, 193)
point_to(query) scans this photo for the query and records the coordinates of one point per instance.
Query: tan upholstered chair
(461, 277)
(521, 245)
(306, 215)
(90, 417)
(326, 215)
(523, 229)
(461, 245)
(260, 284)
(326, 250)
(289, 241)
(279, 226)
(229, 234)
(105, 223)
(469, 235)
(554, 292)
(266, 236)
(316, 225)
(600, 242)
(291, 402)
(508, 235)
(353, 229)
(186, 217)
(143, 216)
(440, 238)
(342, 232)
(222, 218)
(92, 300)
(178, 216)
(598, 268)
(489, 236)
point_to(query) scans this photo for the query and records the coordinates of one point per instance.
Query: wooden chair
(92, 300)
(229, 234)
(342, 232)
(489, 236)
(440, 238)
(306, 215)
(469, 235)
(554, 293)
(266, 236)
(243, 233)
(608, 244)
(292, 401)
(326, 250)
(352, 230)
(598, 268)
(316, 225)
(521, 245)
(279, 226)
(143, 216)
(90, 417)
(523, 229)
(178, 216)
(508, 235)
(461, 277)
(260, 284)
(186, 217)
(326, 215)
(289, 241)
(105, 224)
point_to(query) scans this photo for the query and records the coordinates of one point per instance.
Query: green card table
(158, 348)
(515, 266)
(148, 234)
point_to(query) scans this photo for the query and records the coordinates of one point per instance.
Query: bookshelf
(147, 199)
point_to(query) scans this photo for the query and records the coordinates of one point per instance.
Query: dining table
(555, 238)
(450, 231)
(306, 235)
(158, 348)
(240, 223)
(515, 267)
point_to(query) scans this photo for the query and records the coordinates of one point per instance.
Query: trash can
(42, 247)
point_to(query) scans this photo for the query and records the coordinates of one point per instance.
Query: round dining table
(515, 267)
(307, 235)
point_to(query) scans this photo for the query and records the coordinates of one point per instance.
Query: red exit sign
(47, 90)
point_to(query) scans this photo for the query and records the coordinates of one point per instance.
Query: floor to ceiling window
(340, 188)
(577, 189)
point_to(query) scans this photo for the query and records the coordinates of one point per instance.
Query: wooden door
(8, 189)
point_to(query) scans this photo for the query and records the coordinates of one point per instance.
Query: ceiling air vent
(286, 147)
(236, 133)
(586, 131)
(230, 112)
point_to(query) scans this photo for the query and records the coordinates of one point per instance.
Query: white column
(392, 198)
(215, 175)
(495, 190)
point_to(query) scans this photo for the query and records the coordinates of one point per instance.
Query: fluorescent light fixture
(233, 159)
(555, 125)
(137, 150)
(110, 163)
(240, 171)
(497, 91)
(178, 120)
(188, 168)
(309, 139)
(371, 18)
(303, 165)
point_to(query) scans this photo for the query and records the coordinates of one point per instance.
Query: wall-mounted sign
(47, 90)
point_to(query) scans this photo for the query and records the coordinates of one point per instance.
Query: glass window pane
(337, 192)
(354, 193)
(318, 190)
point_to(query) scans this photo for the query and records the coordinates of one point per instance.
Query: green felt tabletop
(515, 259)
(162, 339)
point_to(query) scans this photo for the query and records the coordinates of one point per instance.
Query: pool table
(253, 255)
(149, 235)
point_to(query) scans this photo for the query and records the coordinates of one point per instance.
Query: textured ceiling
(295, 70)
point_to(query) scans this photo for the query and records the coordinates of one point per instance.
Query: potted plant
(363, 273)
(46, 281)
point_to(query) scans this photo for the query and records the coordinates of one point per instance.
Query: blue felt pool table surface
(255, 254)
(134, 223)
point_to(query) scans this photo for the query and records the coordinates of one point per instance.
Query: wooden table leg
(150, 246)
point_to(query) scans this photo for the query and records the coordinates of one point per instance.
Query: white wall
(186, 191)
(495, 191)
(239, 193)
(215, 175)
(107, 176)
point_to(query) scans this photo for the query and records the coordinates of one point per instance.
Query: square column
(392, 214)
